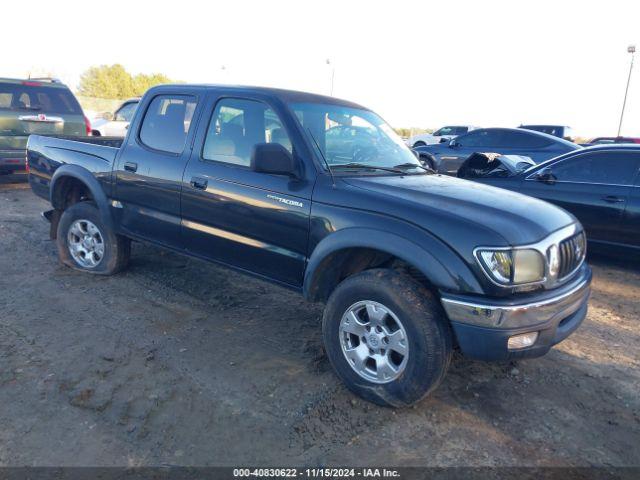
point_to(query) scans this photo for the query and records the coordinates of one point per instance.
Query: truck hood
(448, 207)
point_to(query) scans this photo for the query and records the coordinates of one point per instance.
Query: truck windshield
(355, 138)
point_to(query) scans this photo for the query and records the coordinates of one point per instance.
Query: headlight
(513, 267)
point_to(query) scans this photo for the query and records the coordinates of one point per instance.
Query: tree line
(114, 82)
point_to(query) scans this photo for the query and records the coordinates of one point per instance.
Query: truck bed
(46, 154)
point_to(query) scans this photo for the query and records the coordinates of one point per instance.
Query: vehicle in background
(36, 105)
(270, 182)
(448, 157)
(560, 131)
(612, 140)
(443, 134)
(116, 124)
(600, 185)
(488, 165)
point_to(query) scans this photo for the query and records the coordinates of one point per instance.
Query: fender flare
(442, 267)
(87, 178)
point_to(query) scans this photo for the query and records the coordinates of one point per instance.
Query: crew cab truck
(409, 264)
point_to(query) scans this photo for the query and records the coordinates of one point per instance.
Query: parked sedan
(447, 157)
(115, 125)
(600, 185)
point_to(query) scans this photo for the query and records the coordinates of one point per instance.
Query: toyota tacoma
(320, 196)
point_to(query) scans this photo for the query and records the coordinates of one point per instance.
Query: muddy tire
(87, 244)
(387, 337)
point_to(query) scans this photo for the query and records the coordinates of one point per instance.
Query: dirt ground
(179, 362)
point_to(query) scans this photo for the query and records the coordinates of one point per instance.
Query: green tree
(143, 82)
(114, 82)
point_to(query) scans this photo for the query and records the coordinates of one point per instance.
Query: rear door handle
(199, 183)
(612, 199)
(130, 166)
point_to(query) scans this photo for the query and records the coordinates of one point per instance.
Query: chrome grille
(571, 252)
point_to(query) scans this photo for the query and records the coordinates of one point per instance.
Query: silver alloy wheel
(374, 341)
(86, 243)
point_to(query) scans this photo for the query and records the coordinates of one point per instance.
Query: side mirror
(546, 176)
(443, 140)
(273, 158)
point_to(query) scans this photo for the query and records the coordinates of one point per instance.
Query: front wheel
(387, 337)
(86, 243)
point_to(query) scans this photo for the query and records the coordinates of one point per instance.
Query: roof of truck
(289, 96)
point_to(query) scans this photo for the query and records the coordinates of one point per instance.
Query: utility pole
(632, 50)
(333, 74)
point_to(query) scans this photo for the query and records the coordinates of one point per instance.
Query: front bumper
(12, 160)
(482, 328)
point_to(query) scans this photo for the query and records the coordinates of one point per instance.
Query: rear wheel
(387, 337)
(86, 243)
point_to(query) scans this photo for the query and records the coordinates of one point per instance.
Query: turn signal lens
(499, 263)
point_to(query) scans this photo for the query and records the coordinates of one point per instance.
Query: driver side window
(236, 126)
(125, 113)
(610, 168)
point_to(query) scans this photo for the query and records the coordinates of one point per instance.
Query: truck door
(149, 170)
(253, 221)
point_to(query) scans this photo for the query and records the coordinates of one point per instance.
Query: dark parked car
(560, 131)
(447, 157)
(42, 106)
(408, 263)
(600, 185)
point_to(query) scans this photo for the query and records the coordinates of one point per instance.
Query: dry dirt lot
(180, 362)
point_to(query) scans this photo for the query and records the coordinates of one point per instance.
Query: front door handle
(612, 199)
(130, 166)
(199, 183)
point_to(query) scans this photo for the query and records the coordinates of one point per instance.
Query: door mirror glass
(274, 159)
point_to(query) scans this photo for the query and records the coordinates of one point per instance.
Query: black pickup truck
(320, 195)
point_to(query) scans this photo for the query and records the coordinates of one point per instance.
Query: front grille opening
(572, 252)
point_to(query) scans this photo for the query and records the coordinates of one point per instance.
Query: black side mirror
(546, 176)
(273, 158)
(443, 140)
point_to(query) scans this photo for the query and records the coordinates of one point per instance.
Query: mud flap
(53, 217)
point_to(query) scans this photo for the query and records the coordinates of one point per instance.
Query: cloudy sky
(488, 63)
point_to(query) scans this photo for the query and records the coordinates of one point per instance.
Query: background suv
(41, 106)
(444, 133)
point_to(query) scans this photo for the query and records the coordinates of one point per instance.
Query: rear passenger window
(480, 138)
(167, 121)
(523, 140)
(236, 126)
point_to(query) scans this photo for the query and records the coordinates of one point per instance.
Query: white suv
(446, 133)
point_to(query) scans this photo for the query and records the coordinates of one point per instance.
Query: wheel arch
(84, 186)
(353, 250)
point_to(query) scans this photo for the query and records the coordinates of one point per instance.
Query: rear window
(41, 98)
(167, 121)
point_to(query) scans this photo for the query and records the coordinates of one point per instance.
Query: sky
(417, 64)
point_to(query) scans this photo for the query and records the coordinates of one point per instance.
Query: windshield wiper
(363, 166)
(415, 165)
